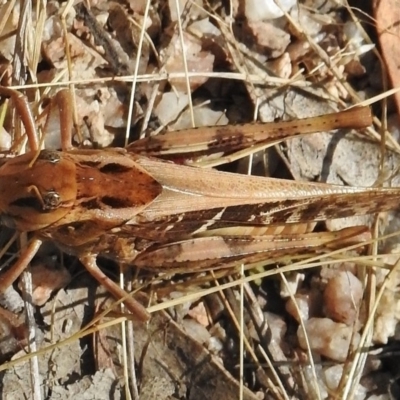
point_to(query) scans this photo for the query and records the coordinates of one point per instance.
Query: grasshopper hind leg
(214, 252)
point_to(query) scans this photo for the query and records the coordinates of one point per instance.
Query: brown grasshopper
(162, 216)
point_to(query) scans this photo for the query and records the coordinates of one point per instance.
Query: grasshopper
(127, 205)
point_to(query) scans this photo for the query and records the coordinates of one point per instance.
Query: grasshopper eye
(50, 156)
(51, 200)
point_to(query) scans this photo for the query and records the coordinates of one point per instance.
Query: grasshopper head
(36, 190)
